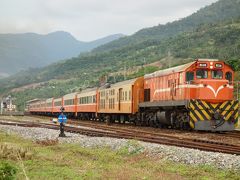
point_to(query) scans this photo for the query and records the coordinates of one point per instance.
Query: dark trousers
(62, 130)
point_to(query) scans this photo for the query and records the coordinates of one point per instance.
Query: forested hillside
(220, 40)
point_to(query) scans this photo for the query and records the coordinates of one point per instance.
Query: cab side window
(189, 76)
(217, 74)
(228, 76)
(202, 74)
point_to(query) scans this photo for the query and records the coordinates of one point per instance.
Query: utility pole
(169, 59)
(1, 106)
(125, 71)
(144, 62)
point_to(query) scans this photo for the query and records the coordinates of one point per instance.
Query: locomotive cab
(212, 105)
(211, 81)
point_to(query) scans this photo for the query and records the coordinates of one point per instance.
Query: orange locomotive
(197, 95)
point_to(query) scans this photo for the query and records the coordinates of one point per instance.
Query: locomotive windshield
(217, 74)
(189, 76)
(229, 76)
(202, 74)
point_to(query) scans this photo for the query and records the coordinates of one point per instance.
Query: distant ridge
(21, 51)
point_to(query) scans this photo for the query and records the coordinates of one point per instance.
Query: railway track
(234, 134)
(94, 124)
(116, 132)
(117, 126)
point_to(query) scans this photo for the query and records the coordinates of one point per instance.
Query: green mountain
(207, 40)
(218, 12)
(22, 51)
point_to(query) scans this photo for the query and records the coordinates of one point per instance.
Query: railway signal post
(62, 119)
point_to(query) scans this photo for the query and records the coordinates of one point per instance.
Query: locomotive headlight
(202, 65)
(218, 65)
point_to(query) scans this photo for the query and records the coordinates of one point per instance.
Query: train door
(180, 83)
(173, 88)
(120, 96)
(147, 95)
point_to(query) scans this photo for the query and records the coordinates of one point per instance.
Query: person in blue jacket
(62, 119)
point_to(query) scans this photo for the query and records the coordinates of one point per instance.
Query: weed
(13, 151)
(47, 142)
(132, 147)
(7, 171)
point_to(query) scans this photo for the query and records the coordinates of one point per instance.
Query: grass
(70, 161)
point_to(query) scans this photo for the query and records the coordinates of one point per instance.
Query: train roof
(58, 99)
(127, 82)
(70, 95)
(33, 101)
(213, 60)
(88, 90)
(170, 70)
(49, 100)
(36, 101)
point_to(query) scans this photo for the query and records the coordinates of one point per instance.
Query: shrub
(7, 171)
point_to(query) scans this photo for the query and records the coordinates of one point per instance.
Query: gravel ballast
(175, 154)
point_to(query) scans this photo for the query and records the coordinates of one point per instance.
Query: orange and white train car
(57, 104)
(120, 101)
(70, 103)
(37, 106)
(86, 106)
(49, 106)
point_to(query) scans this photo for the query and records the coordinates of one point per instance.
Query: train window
(125, 95)
(113, 103)
(129, 95)
(201, 74)
(94, 99)
(57, 103)
(228, 76)
(217, 74)
(189, 76)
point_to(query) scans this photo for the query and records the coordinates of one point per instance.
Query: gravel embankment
(176, 154)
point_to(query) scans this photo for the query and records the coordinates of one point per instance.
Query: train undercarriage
(186, 115)
(193, 114)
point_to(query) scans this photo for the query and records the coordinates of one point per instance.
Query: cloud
(91, 19)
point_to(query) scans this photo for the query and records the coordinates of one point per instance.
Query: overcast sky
(91, 19)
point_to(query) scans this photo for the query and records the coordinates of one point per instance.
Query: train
(198, 95)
